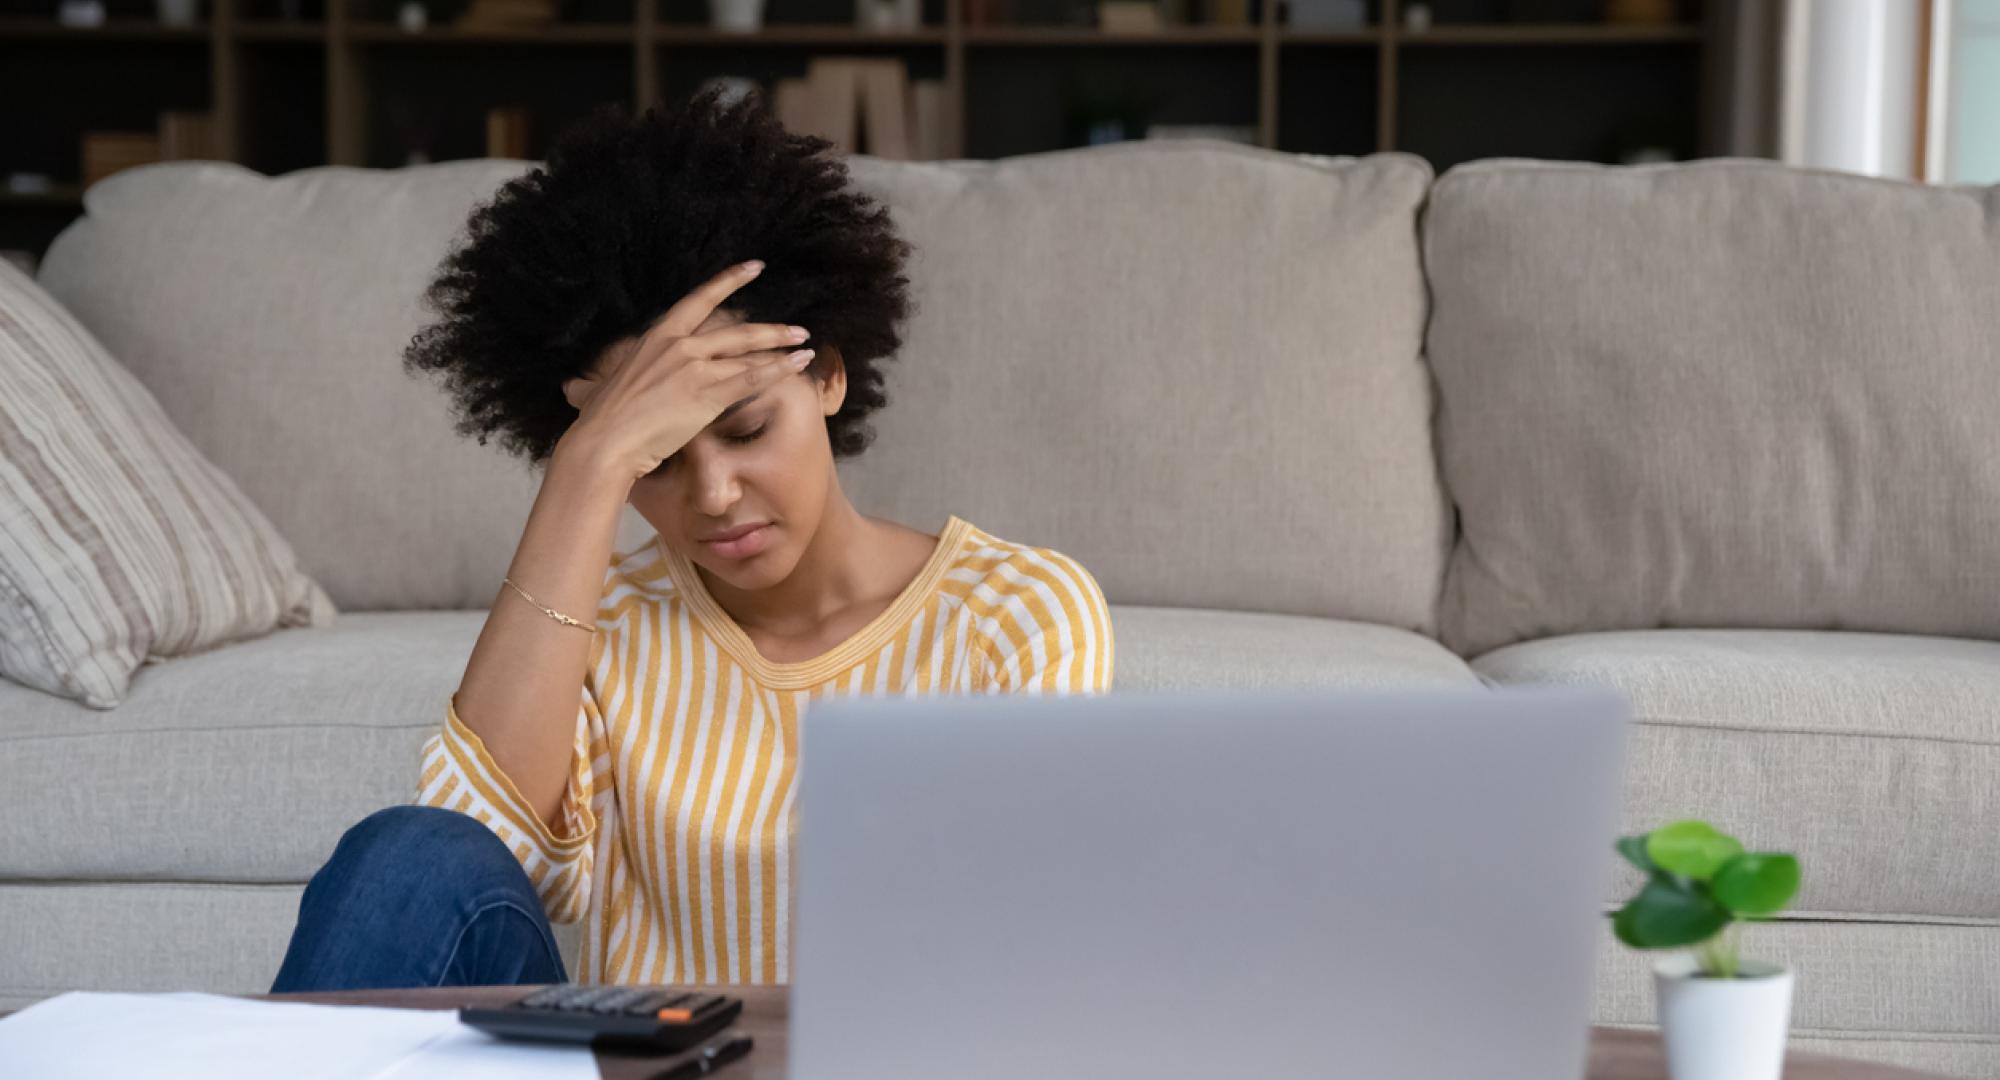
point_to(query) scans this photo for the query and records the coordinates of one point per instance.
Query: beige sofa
(1721, 435)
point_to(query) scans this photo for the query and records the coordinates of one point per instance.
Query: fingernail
(798, 333)
(800, 359)
(754, 265)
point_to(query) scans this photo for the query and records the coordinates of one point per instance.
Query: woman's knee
(413, 896)
(411, 849)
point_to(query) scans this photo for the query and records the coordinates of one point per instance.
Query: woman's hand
(658, 396)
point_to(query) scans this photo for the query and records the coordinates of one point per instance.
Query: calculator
(654, 1018)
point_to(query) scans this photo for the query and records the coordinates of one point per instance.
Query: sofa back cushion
(1194, 367)
(1720, 394)
(268, 316)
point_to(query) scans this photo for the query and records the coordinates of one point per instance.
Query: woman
(585, 324)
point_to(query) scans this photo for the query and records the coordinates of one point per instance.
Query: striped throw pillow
(119, 543)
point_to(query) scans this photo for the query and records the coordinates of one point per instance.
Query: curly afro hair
(629, 215)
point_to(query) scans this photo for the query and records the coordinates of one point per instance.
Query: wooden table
(1614, 1054)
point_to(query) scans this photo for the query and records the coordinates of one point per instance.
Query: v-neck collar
(862, 643)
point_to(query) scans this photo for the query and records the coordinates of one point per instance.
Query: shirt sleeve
(1046, 627)
(459, 774)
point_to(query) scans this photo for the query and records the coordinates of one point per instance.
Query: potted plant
(1722, 1017)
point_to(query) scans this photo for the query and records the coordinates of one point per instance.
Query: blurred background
(1905, 88)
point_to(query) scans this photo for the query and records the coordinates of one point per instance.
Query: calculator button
(618, 1002)
(652, 1002)
(543, 998)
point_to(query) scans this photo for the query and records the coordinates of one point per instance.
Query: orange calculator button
(676, 1016)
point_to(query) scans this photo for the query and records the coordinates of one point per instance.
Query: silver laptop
(1369, 885)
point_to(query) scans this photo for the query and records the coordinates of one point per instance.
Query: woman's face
(766, 463)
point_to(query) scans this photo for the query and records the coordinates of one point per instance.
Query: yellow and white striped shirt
(677, 825)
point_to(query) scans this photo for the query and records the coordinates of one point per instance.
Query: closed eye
(737, 438)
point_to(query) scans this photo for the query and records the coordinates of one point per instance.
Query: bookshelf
(346, 85)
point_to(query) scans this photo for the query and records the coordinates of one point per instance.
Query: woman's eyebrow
(731, 411)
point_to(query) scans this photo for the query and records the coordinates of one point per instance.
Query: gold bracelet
(549, 611)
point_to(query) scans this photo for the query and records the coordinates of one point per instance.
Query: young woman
(687, 312)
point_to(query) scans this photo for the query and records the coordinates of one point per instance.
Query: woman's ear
(831, 378)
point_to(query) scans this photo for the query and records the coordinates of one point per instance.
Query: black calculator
(652, 1018)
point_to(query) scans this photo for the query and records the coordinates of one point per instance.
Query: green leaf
(1758, 884)
(1665, 916)
(1691, 848)
(1634, 850)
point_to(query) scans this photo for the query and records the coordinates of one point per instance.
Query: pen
(706, 1058)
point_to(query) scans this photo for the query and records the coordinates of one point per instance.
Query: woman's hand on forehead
(580, 389)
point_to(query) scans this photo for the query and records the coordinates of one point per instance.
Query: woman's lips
(742, 545)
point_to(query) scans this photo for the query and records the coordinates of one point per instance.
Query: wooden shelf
(794, 35)
(112, 30)
(279, 30)
(386, 33)
(1091, 37)
(1550, 34)
(1364, 36)
(844, 36)
(59, 195)
(1453, 91)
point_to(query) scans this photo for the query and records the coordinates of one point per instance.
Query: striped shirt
(674, 840)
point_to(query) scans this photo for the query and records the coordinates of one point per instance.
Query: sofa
(1722, 435)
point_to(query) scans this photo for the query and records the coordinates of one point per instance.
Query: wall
(1849, 95)
(1972, 117)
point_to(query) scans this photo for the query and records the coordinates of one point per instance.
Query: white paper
(221, 1038)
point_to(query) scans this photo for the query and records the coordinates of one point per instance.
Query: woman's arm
(523, 686)
(1048, 629)
(525, 677)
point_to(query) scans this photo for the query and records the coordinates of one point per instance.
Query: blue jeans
(418, 896)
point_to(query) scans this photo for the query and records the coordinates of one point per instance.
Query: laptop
(1370, 885)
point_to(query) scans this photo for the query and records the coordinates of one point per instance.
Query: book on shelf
(507, 132)
(187, 136)
(107, 152)
(867, 106)
(1129, 17)
(885, 108)
(931, 114)
(1228, 12)
(825, 103)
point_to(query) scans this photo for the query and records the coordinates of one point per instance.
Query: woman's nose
(716, 488)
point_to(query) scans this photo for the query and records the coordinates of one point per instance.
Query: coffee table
(1615, 1054)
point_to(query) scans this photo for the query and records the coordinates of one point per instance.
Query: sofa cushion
(1200, 364)
(153, 936)
(246, 763)
(268, 316)
(1718, 394)
(242, 764)
(1922, 996)
(118, 541)
(1218, 342)
(1875, 757)
(1170, 649)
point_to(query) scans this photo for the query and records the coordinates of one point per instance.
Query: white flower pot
(1723, 1029)
(179, 12)
(741, 16)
